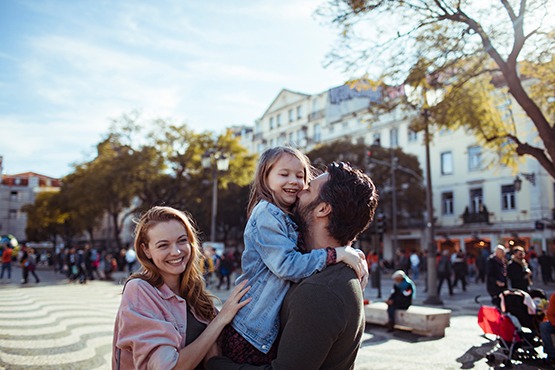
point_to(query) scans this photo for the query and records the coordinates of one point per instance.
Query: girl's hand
(356, 259)
(233, 304)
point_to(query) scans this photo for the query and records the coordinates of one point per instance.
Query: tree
(376, 162)
(45, 219)
(462, 47)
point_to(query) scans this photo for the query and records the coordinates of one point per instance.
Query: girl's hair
(260, 189)
(191, 287)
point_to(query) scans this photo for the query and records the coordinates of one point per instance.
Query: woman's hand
(233, 304)
(356, 259)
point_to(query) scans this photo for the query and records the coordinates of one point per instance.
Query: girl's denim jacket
(270, 262)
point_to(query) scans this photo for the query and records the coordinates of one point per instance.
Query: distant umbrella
(9, 239)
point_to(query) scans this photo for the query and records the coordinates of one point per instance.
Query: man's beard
(302, 215)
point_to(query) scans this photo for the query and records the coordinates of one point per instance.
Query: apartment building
(477, 202)
(16, 191)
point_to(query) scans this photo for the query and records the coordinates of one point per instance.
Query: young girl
(166, 318)
(271, 260)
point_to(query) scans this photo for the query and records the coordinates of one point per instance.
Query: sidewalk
(463, 347)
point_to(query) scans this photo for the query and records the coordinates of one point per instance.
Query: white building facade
(477, 204)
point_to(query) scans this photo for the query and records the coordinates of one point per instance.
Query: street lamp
(433, 297)
(530, 177)
(216, 161)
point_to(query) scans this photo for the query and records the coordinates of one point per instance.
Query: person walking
(31, 265)
(130, 259)
(460, 268)
(414, 264)
(444, 270)
(7, 262)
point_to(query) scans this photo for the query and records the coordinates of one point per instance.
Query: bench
(426, 321)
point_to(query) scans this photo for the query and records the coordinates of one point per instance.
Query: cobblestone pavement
(58, 325)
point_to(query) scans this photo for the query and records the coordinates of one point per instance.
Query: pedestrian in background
(166, 318)
(460, 269)
(496, 274)
(518, 272)
(401, 296)
(32, 264)
(414, 264)
(547, 330)
(130, 259)
(444, 271)
(7, 262)
(544, 260)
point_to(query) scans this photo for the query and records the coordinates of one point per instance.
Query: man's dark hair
(353, 199)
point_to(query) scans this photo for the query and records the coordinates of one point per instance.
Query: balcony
(481, 216)
(316, 115)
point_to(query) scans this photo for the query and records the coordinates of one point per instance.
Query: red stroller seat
(512, 342)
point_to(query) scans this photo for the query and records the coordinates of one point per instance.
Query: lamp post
(433, 297)
(216, 161)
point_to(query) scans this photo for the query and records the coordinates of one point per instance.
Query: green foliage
(467, 48)
(135, 169)
(376, 162)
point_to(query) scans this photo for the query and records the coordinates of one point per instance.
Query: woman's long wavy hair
(191, 287)
(260, 189)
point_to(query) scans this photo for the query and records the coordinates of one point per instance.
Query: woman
(401, 296)
(166, 317)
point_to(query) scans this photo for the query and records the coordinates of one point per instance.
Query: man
(322, 317)
(496, 274)
(444, 269)
(518, 272)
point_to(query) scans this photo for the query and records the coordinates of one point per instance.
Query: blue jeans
(6, 266)
(546, 329)
(415, 270)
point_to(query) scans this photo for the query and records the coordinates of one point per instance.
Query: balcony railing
(481, 216)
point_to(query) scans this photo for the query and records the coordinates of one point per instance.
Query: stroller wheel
(507, 363)
(490, 357)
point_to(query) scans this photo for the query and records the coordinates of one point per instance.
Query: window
(474, 158)
(447, 163)
(412, 135)
(12, 215)
(376, 139)
(476, 200)
(447, 203)
(271, 123)
(290, 113)
(279, 120)
(317, 133)
(301, 135)
(13, 195)
(314, 105)
(299, 112)
(508, 197)
(291, 138)
(394, 138)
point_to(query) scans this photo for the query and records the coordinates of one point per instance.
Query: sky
(68, 68)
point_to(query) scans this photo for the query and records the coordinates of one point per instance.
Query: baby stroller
(515, 341)
(524, 307)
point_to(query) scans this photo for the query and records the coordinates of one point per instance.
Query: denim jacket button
(264, 346)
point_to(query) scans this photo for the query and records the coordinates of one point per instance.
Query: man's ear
(323, 209)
